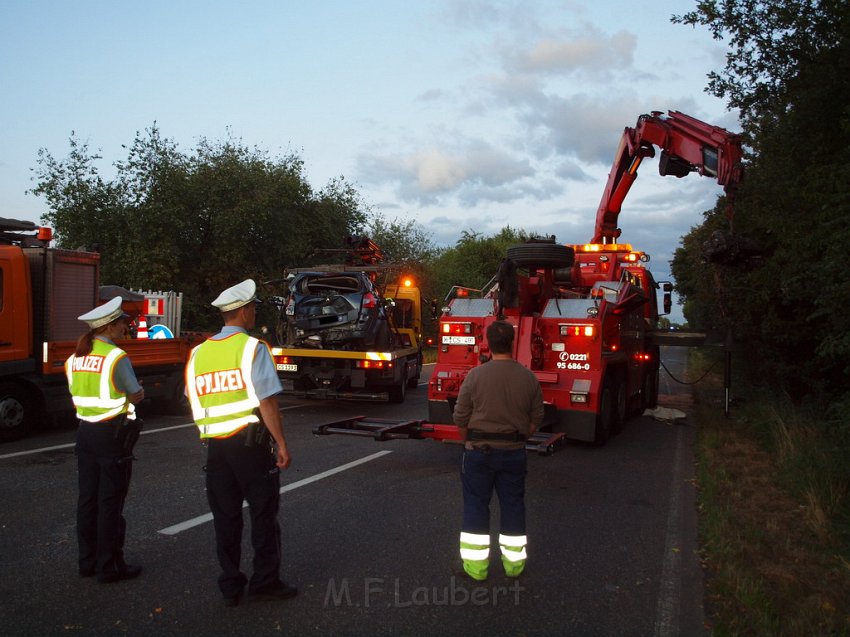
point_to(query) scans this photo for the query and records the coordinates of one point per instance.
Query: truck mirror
(435, 312)
(667, 301)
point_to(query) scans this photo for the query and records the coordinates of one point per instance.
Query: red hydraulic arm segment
(687, 145)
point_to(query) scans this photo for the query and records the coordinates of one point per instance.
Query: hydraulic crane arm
(687, 145)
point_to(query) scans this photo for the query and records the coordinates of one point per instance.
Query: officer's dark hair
(85, 343)
(500, 336)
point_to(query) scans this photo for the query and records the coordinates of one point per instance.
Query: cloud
(475, 172)
(431, 95)
(591, 50)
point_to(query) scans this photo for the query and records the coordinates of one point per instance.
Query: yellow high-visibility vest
(219, 387)
(90, 380)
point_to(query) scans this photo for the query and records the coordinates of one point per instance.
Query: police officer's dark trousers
(481, 473)
(104, 478)
(236, 472)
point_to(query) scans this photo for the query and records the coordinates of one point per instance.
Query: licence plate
(458, 340)
(287, 367)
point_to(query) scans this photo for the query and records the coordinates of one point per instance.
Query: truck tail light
(578, 330)
(456, 329)
(364, 364)
(643, 357)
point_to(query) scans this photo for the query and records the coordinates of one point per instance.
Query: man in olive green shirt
(500, 405)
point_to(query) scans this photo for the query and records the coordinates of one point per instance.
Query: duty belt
(475, 434)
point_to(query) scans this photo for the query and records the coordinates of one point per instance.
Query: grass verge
(773, 510)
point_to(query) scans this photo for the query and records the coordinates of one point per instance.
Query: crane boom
(687, 145)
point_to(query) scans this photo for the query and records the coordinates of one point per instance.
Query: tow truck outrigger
(586, 315)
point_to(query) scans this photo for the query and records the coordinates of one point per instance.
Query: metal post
(727, 373)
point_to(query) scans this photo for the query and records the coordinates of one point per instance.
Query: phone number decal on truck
(573, 361)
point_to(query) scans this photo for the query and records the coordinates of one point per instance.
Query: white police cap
(103, 314)
(237, 296)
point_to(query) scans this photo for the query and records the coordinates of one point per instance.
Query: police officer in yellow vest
(104, 389)
(232, 386)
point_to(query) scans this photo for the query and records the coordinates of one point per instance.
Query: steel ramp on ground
(382, 429)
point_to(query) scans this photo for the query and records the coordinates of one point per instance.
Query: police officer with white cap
(104, 390)
(232, 386)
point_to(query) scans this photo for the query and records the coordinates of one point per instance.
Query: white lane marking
(669, 594)
(201, 519)
(31, 451)
(144, 432)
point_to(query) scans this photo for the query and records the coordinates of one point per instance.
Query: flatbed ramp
(381, 429)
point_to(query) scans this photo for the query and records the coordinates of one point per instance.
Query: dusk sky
(458, 114)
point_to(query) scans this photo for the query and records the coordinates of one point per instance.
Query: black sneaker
(127, 572)
(279, 591)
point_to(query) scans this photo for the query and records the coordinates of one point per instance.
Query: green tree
(196, 222)
(769, 42)
(402, 241)
(788, 69)
(474, 259)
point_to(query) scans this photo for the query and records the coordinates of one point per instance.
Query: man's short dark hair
(500, 336)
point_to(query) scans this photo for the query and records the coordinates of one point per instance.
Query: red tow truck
(42, 292)
(586, 315)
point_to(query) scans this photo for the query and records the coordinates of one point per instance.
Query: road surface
(370, 537)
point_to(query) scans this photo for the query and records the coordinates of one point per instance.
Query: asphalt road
(370, 535)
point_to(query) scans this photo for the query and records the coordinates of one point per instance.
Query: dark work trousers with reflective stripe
(237, 472)
(481, 473)
(104, 479)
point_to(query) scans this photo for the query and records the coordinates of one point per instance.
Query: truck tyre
(605, 417)
(17, 412)
(650, 384)
(620, 407)
(398, 391)
(413, 383)
(178, 404)
(541, 254)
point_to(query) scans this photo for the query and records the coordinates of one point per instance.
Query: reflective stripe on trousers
(475, 553)
(513, 553)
